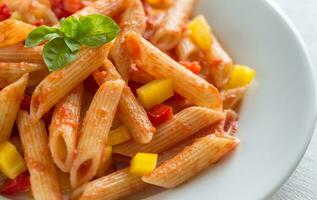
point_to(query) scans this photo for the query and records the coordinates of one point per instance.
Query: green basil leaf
(69, 26)
(96, 30)
(72, 44)
(41, 34)
(57, 54)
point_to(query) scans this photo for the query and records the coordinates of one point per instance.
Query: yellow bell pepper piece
(118, 136)
(155, 92)
(143, 163)
(160, 3)
(241, 76)
(106, 162)
(11, 162)
(201, 32)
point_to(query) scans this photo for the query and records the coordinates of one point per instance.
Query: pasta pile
(155, 106)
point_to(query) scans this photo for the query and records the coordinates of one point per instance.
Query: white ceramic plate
(278, 112)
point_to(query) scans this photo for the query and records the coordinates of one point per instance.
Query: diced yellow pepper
(160, 3)
(201, 32)
(106, 162)
(118, 136)
(241, 76)
(143, 163)
(11, 162)
(155, 92)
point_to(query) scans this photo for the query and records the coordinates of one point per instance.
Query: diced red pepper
(58, 8)
(91, 85)
(72, 6)
(5, 12)
(39, 22)
(192, 66)
(19, 184)
(26, 102)
(159, 114)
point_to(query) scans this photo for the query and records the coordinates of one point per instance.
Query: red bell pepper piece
(5, 12)
(72, 6)
(19, 184)
(39, 22)
(159, 114)
(192, 66)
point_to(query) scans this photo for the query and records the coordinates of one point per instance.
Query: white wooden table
(302, 185)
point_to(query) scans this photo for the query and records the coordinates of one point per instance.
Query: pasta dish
(101, 99)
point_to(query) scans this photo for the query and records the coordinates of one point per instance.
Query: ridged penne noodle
(139, 76)
(183, 125)
(58, 83)
(159, 65)
(94, 132)
(221, 64)
(63, 129)
(130, 112)
(43, 177)
(105, 7)
(169, 32)
(13, 32)
(19, 53)
(231, 97)
(113, 186)
(10, 99)
(133, 20)
(201, 154)
(10, 72)
(186, 49)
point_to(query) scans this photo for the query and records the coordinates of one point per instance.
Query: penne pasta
(133, 20)
(232, 97)
(43, 178)
(94, 132)
(169, 32)
(201, 154)
(160, 66)
(13, 32)
(114, 186)
(187, 50)
(19, 53)
(63, 129)
(139, 76)
(10, 99)
(109, 8)
(221, 64)
(130, 112)
(58, 83)
(10, 72)
(183, 125)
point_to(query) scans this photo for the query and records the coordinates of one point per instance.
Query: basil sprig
(65, 41)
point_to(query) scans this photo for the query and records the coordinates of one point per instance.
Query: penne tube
(13, 32)
(139, 76)
(191, 160)
(114, 186)
(159, 65)
(94, 132)
(221, 64)
(58, 83)
(105, 7)
(133, 20)
(232, 97)
(43, 177)
(63, 129)
(170, 30)
(10, 99)
(130, 112)
(10, 72)
(19, 53)
(187, 50)
(120, 183)
(181, 126)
